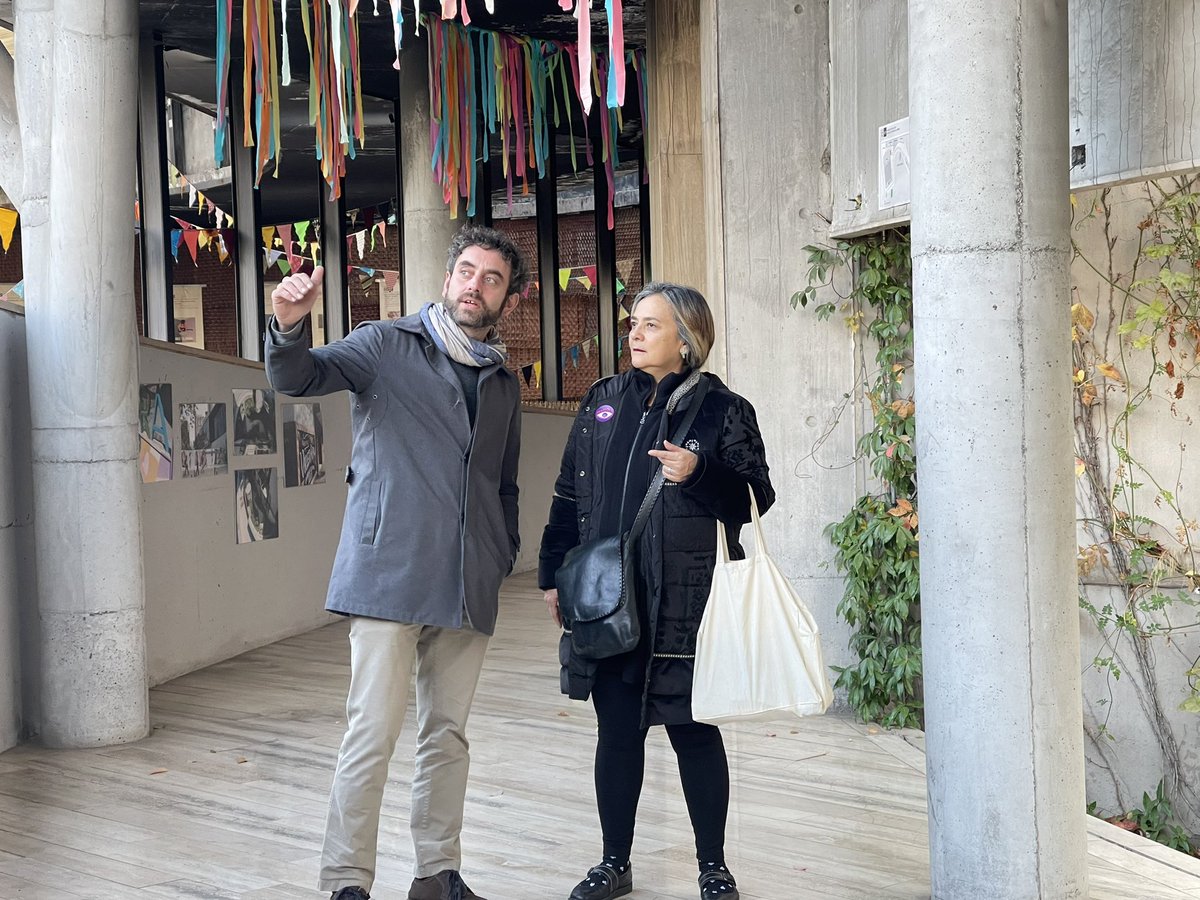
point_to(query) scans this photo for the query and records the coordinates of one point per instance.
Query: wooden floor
(227, 798)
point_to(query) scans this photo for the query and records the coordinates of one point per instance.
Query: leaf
(159, 772)
(1109, 371)
(1179, 391)
(902, 508)
(1082, 316)
(1080, 467)
(1170, 368)
(902, 408)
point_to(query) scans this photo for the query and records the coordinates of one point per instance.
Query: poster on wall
(154, 432)
(253, 422)
(303, 445)
(894, 170)
(203, 441)
(256, 505)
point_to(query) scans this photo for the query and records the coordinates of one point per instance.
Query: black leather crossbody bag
(597, 581)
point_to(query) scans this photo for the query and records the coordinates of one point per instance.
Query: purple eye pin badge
(605, 413)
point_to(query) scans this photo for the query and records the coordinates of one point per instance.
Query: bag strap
(656, 485)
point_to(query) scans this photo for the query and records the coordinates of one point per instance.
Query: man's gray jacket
(430, 528)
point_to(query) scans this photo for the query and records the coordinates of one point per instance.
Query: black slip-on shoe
(717, 884)
(604, 881)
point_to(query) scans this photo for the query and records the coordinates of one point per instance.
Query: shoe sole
(619, 892)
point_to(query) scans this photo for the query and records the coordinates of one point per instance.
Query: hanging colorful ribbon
(287, 56)
(484, 82)
(224, 34)
(260, 84)
(397, 28)
(583, 17)
(616, 50)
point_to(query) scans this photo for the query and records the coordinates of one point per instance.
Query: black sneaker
(604, 881)
(716, 883)
(350, 893)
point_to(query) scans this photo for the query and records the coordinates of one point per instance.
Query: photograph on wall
(203, 440)
(154, 432)
(303, 445)
(253, 422)
(257, 505)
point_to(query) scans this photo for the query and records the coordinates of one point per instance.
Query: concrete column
(988, 82)
(425, 224)
(82, 343)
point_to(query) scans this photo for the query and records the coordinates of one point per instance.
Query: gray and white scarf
(456, 344)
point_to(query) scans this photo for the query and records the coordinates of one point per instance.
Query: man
(429, 533)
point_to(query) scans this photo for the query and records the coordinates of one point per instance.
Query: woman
(618, 442)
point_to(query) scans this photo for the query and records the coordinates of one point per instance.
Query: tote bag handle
(760, 542)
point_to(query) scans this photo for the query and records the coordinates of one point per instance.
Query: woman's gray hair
(692, 316)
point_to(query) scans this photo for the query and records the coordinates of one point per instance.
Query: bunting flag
(177, 179)
(8, 225)
(18, 291)
(191, 240)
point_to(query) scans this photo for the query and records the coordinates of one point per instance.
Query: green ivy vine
(876, 544)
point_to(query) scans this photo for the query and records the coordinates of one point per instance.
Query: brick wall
(579, 306)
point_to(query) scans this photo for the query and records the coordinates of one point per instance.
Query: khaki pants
(382, 656)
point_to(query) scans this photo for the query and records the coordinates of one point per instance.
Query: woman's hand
(551, 598)
(678, 463)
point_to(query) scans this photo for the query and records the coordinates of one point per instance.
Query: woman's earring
(683, 352)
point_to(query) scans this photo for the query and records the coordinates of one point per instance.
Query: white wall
(17, 595)
(207, 597)
(543, 436)
(1134, 78)
(868, 89)
(1128, 719)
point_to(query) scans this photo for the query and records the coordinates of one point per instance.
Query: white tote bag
(758, 653)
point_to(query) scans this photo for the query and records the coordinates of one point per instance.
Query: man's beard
(477, 317)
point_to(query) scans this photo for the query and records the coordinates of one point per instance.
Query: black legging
(620, 764)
